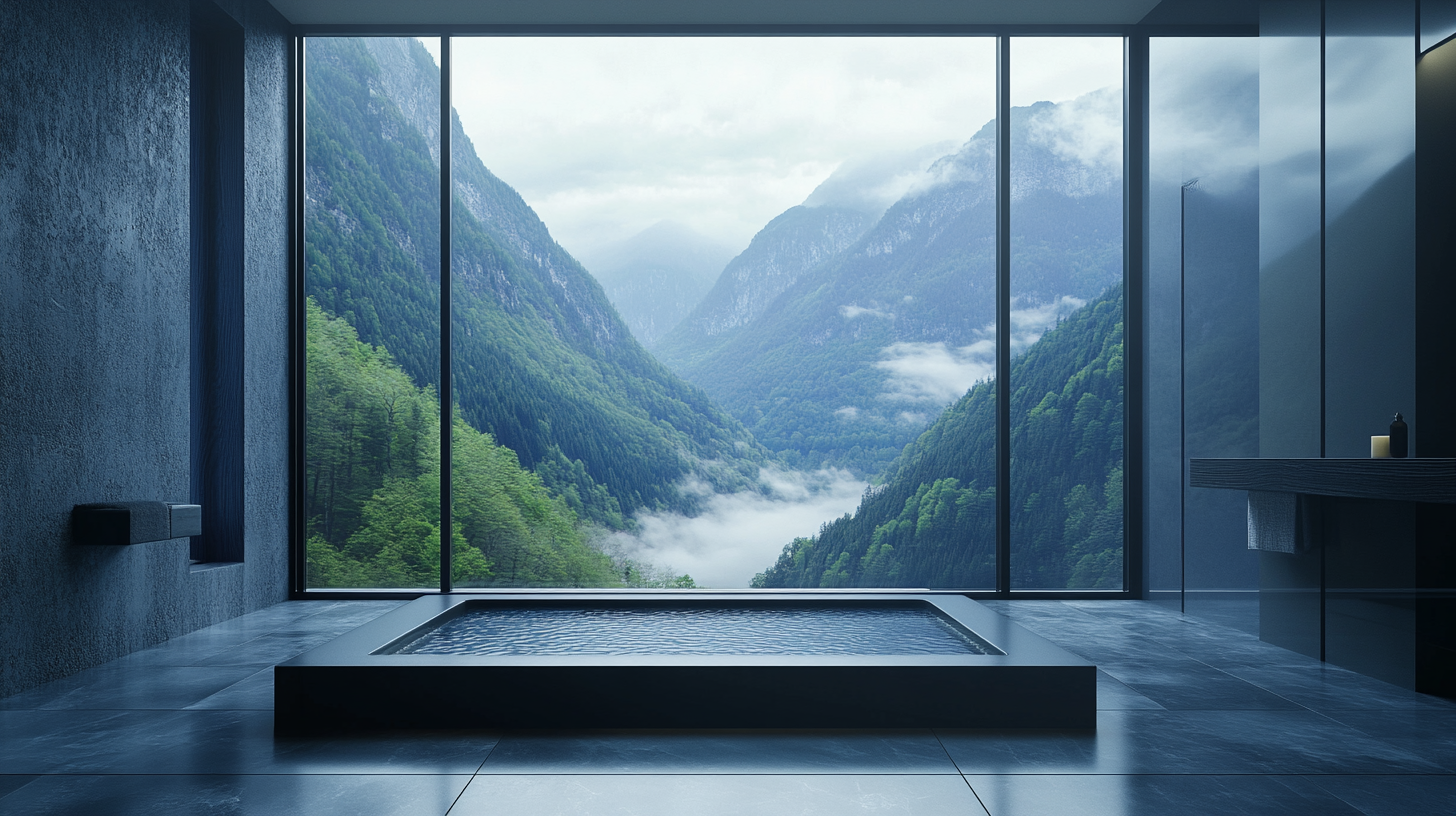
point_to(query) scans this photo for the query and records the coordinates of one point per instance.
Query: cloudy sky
(607, 136)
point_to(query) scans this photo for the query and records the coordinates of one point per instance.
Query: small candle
(1379, 447)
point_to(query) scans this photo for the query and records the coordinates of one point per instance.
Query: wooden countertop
(1418, 480)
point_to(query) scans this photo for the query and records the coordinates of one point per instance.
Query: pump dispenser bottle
(1399, 438)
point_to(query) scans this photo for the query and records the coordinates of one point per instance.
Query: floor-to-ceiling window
(1066, 308)
(714, 312)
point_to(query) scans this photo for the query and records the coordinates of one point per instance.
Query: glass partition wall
(721, 313)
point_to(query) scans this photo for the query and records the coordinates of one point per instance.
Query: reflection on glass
(1066, 314)
(372, 478)
(1369, 221)
(1204, 176)
(1289, 229)
(697, 312)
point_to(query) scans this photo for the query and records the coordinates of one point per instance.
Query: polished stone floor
(1195, 718)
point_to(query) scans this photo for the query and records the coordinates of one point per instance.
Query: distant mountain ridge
(655, 277)
(816, 370)
(798, 240)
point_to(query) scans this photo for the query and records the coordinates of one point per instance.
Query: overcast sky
(607, 136)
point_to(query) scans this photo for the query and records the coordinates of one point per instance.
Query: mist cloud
(939, 374)
(850, 312)
(872, 184)
(935, 373)
(741, 534)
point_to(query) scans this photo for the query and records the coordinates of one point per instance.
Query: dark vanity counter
(1417, 480)
(1370, 583)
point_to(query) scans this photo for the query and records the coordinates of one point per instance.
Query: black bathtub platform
(354, 683)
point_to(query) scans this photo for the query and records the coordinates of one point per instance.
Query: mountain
(542, 362)
(656, 277)
(932, 523)
(795, 242)
(844, 360)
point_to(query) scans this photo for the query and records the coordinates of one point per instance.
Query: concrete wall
(94, 327)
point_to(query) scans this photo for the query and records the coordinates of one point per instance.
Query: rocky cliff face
(409, 78)
(795, 242)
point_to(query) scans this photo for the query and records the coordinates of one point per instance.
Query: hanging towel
(1274, 521)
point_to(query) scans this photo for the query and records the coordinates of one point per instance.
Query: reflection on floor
(1195, 717)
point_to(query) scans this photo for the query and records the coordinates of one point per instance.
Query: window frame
(1135, 138)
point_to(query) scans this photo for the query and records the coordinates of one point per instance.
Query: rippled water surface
(700, 630)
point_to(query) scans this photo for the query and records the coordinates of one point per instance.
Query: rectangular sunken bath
(686, 660)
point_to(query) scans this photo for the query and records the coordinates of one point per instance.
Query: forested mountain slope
(373, 493)
(933, 522)
(542, 362)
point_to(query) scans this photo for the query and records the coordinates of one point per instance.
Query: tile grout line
(959, 772)
(473, 776)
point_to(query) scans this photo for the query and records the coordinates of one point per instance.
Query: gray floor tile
(1185, 742)
(217, 742)
(126, 686)
(717, 795)
(252, 693)
(1113, 695)
(721, 752)
(1429, 734)
(1322, 687)
(318, 795)
(1188, 684)
(1394, 795)
(269, 649)
(1117, 795)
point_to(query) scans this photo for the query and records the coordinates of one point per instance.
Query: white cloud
(847, 412)
(1029, 323)
(851, 311)
(742, 534)
(938, 373)
(1059, 69)
(873, 183)
(1087, 129)
(606, 136)
(935, 373)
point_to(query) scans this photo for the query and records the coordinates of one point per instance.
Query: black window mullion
(298, 367)
(447, 411)
(1134, 283)
(1003, 314)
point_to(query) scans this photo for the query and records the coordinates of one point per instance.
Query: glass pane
(1370, 145)
(1203, 140)
(1066, 313)
(372, 222)
(1289, 229)
(705, 293)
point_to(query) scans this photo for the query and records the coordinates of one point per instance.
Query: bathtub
(786, 660)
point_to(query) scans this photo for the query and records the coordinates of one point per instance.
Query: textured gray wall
(94, 363)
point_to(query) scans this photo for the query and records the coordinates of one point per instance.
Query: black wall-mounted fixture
(138, 522)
